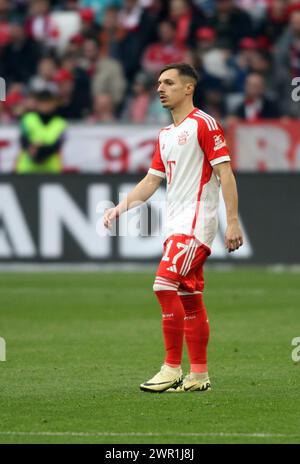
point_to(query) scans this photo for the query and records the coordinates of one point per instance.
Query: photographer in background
(42, 133)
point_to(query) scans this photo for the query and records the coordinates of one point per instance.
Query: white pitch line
(150, 434)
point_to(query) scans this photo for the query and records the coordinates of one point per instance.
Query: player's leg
(196, 324)
(196, 332)
(172, 319)
(170, 374)
(165, 287)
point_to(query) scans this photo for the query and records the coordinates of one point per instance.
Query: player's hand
(109, 216)
(233, 237)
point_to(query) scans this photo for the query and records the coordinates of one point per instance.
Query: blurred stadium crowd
(101, 57)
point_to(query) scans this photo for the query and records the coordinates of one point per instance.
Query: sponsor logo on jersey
(219, 142)
(182, 138)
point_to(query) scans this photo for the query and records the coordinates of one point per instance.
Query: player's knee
(163, 284)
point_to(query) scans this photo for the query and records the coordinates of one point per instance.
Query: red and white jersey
(185, 155)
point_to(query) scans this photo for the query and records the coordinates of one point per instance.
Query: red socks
(196, 331)
(184, 316)
(173, 325)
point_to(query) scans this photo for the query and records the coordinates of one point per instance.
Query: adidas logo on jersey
(172, 268)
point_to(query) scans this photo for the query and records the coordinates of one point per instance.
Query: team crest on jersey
(219, 142)
(182, 138)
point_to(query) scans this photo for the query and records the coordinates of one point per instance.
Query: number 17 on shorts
(183, 258)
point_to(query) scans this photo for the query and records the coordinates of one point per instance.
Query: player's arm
(233, 235)
(141, 192)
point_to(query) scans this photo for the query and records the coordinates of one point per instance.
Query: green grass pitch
(79, 345)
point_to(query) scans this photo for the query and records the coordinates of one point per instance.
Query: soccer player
(192, 155)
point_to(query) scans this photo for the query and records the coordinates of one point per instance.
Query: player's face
(173, 89)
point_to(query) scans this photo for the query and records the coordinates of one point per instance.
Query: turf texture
(79, 345)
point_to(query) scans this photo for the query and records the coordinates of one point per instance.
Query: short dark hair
(184, 69)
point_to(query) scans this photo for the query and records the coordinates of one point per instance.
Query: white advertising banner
(93, 149)
(269, 146)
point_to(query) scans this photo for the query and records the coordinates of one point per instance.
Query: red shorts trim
(183, 260)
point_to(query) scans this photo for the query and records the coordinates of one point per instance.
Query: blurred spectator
(106, 73)
(44, 79)
(288, 47)
(247, 49)
(111, 33)
(241, 63)
(5, 12)
(231, 23)
(39, 24)
(88, 25)
(256, 105)
(130, 14)
(152, 15)
(164, 52)
(205, 39)
(181, 14)
(99, 7)
(75, 45)
(20, 56)
(262, 63)
(287, 59)
(144, 105)
(131, 46)
(69, 102)
(90, 54)
(187, 20)
(82, 82)
(103, 109)
(255, 8)
(214, 56)
(42, 134)
(275, 19)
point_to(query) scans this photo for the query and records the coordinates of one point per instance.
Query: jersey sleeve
(157, 166)
(213, 144)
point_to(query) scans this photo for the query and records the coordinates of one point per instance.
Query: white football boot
(167, 377)
(193, 382)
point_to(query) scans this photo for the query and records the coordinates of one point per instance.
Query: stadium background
(100, 59)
